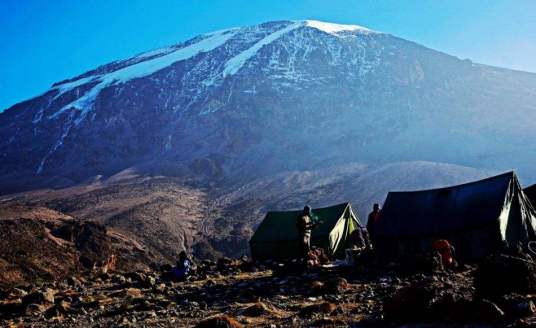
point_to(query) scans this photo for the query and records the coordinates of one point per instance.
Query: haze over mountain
(268, 116)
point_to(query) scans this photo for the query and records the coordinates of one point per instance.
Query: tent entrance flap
(340, 235)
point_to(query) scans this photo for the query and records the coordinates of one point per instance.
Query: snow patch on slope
(137, 70)
(156, 52)
(234, 64)
(66, 129)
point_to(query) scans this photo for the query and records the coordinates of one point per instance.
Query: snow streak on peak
(332, 28)
(156, 52)
(234, 64)
(223, 31)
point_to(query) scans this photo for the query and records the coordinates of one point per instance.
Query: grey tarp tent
(478, 218)
(277, 235)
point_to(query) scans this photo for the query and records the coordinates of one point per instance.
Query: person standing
(373, 218)
(305, 227)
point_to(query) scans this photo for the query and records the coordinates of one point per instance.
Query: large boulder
(439, 302)
(411, 303)
(499, 275)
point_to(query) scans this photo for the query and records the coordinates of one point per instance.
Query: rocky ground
(238, 293)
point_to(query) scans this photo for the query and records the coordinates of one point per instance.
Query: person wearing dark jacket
(373, 218)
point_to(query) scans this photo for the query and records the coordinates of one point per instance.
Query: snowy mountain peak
(155, 60)
(241, 44)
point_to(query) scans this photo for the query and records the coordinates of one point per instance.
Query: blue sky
(43, 42)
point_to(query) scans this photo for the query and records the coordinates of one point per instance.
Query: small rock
(256, 310)
(133, 292)
(73, 282)
(58, 310)
(35, 309)
(151, 314)
(150, 281)
(64, 306)
(160, 288)
(336, 285)
(39, 297)
(210, 283)
(105, 276)
(138, 277)
(124, 321)
(322, 308)
(16, 293)
(317, 287)
(223, 321)
(119, 279)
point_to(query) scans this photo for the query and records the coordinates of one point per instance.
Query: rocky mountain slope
(242, 103)
(39, 244)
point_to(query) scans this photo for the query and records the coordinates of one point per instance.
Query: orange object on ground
(444, 248)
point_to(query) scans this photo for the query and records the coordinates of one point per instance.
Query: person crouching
(182, 268)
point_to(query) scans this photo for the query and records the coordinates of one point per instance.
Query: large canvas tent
(478, 218)
(277, 235)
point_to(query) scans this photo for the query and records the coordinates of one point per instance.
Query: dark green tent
(277, 236)
(478, 218)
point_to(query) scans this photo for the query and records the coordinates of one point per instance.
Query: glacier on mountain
(137, 70)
